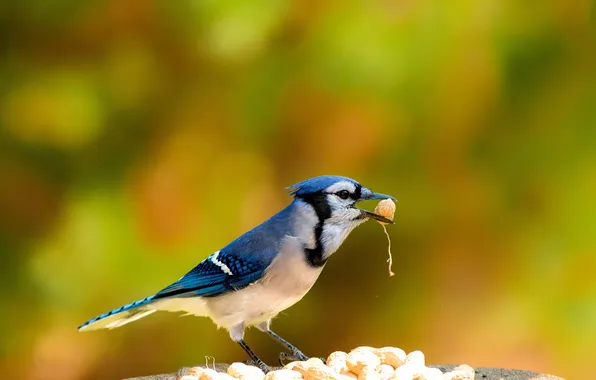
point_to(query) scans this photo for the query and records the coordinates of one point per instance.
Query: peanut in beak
(386, 208)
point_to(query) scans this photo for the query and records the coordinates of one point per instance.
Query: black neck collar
(314, 256)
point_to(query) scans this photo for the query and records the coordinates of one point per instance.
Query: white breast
(286, 281)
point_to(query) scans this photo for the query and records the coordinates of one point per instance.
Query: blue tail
(120, 316)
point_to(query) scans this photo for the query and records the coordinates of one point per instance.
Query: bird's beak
(372, 215)
(367, 195)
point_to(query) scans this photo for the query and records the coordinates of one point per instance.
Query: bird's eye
(343, 194)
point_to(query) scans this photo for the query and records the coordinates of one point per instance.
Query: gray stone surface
(481, 373)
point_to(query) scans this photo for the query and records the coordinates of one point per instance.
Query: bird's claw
(293, 356)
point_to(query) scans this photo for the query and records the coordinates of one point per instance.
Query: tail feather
(120, 316)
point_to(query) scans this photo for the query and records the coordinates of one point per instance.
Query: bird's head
(331, 203)
(334, 199)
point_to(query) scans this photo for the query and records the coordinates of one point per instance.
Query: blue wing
(213, 277)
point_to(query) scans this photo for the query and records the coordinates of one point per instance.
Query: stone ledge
(482, 373)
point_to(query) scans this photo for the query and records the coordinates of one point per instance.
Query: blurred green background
(137, 137)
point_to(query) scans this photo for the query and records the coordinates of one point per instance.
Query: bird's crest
(317, 184)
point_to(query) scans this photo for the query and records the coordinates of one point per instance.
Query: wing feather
(219, 273)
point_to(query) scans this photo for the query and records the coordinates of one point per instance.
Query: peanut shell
(385, 208)
(358, 359)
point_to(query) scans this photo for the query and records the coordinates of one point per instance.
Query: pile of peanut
(362, 363)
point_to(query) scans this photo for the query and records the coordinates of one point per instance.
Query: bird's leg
(295, 354)
(255, 359)
(237, 335)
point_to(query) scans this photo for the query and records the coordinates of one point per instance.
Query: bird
(267, 269)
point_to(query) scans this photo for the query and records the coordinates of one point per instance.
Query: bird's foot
(293, 356)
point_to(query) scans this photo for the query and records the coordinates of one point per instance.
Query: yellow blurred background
(137, 137)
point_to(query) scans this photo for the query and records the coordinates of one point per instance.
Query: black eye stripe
(357, 192)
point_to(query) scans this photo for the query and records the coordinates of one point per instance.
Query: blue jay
(267, 269)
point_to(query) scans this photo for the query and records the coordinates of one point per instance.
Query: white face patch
(338, 204)
(342, 210)
(221, 265)
(342, 185)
